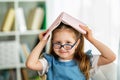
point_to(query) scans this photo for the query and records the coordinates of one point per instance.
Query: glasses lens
(56, 46)
(67, 47)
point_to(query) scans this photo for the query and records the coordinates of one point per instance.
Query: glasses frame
(62, 45)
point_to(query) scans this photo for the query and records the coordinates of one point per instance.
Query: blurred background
(22, 20)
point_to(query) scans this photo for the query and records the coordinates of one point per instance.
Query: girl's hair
(82, 59)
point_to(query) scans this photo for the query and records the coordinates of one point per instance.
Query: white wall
(102, 16)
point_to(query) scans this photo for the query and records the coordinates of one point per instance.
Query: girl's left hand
(88, 34)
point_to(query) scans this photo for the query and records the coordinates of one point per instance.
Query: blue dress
(63, 70)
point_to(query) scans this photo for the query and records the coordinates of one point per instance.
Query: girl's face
(65, 37)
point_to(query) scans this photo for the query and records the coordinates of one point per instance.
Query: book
(66, 19)
(8, 20)
(22, 55)
(13, 75)
(30, 18)
(24, 74)
(8, 74)
(35, 18)
(25, 49)
(21, 19)
(4, 74)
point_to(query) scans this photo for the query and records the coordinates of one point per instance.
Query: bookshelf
(18, 31)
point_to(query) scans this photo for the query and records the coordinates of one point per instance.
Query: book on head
(66, 19)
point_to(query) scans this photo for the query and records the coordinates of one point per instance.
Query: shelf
(9, 66)
(6, 0)
(22, 0)
(14, 37)
(11, 33)
(22, 65)
(31, 0)
(31, 32)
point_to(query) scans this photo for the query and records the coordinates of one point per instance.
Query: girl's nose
(62, 48)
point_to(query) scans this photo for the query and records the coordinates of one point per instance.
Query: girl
(67, 59)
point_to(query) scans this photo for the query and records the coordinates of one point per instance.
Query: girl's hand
(88, 34)
(41, 35)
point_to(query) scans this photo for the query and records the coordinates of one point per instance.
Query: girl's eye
(68, 42)
(57, 42)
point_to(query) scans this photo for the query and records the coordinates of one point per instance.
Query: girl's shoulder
(48, 56)
(93, 62)
(89, 53)
(90, 56)
(93, 58)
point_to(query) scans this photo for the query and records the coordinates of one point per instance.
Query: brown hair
(79, 56)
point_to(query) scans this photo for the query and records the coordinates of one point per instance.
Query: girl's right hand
(41, 36)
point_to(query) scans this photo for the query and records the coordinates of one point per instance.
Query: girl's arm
(33, 59)
(107, 55)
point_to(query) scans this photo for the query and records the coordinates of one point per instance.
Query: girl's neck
(64, 60)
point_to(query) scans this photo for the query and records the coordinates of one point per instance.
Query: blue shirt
(63, 70)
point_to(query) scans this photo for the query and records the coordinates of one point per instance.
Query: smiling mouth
(63, 52)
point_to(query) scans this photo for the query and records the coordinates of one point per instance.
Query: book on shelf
(22, 55)
(24, 52)
(8, 20)
(24, 74)
(13, 75)
(8, 74)
(35, 18)
(26, 49)
(66, 19)
(21, 19)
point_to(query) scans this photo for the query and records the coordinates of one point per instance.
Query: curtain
(102, 16)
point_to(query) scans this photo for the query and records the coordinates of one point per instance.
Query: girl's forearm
(105, 51)
(34, 55)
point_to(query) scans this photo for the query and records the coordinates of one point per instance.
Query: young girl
(67, 59)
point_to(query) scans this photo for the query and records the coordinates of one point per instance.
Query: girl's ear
(78, 41)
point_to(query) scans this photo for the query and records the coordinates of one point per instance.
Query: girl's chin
(65, 57)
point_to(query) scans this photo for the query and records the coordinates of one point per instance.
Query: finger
(44, 33)
(84, 27)
(40, 36)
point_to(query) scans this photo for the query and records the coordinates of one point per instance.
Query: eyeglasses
(65, 46)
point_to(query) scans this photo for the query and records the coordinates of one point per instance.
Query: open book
(66, 19)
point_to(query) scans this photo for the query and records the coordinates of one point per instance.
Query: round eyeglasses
(65, 46)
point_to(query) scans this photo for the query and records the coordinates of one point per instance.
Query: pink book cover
(66, 19)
